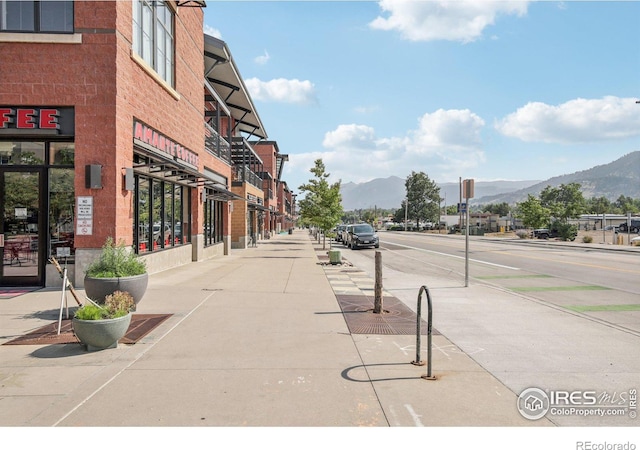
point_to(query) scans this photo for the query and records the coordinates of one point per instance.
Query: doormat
(11, 292)
(141, 325)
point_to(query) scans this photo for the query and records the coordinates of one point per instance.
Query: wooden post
(377, 308)
(65, 280)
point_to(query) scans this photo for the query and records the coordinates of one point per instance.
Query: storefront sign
(37, 120)
(84, 226)
(147, 137)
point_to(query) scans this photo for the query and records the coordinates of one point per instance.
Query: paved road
(567, 328)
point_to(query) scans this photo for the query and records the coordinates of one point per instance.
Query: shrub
(522, 234)
(566, 232)
(587, 239)
(116, 261)
(116, 305)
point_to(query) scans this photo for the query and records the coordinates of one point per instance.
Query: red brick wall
(108, 88)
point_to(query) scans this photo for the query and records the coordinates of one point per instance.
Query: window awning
(165, 168)
(257, 207)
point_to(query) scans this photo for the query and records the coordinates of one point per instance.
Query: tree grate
(396, 318)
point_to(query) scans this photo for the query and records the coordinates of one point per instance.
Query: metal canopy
(174, 171)
(192, 3)
(223, 75)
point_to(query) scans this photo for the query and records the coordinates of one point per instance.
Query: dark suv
(361, 235)
(546, 233)
(635, 226)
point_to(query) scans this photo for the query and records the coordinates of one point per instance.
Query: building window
(153, 36)
(36, 16)
(213, 221)
(161, 214)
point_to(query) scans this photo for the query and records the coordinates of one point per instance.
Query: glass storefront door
(20, 224)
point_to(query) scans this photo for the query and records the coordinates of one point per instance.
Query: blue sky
(489, 90)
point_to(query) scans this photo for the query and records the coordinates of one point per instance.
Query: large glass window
(153, 36)
(142, 216)
(22, 153)
(36, 16)
(61, 211)
(213, 229)
(161, 214)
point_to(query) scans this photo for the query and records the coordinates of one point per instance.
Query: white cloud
(445, 144)
(262, 59)
(282, 90)
(350, 136)
(366, 109)
(462, 20)
(445, 131)
(576, 121)
(212, 31)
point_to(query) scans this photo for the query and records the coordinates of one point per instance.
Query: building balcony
(215, 144)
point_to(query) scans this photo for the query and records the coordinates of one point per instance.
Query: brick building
(116, 120)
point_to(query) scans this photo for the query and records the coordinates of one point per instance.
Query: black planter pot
(98, 288)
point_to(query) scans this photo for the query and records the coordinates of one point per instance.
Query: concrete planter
(101, 334)
(98, 288)
(335, 257)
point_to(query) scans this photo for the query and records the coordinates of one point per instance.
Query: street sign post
(467, 190)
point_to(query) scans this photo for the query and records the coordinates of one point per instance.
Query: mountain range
(620, 177)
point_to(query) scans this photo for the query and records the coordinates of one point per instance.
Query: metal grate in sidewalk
(397, 318)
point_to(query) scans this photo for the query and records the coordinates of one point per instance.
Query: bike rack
(417, 361)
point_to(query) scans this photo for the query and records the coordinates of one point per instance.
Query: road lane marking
(593, 266)
(560, 288)
(589, 308)
(454, 256)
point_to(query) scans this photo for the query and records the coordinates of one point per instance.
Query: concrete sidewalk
(257, 338)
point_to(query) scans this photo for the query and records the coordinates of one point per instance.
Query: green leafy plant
(116, 261)
(587, 239)
(116, 305)
(566, 231)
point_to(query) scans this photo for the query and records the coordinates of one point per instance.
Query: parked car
(546, 233)
(361, 235)
(339, 232)
(344, 234)
(635, 226)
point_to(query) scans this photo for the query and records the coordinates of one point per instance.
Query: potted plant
(101, 326)
(116, 269)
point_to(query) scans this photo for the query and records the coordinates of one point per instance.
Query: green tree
(626, 204)
(398, 216)
(322, 203)
(423, 196)
(368, 216)
(452, 210)
(501, 209)
(532, 213)
(563, 202)
(598, 205)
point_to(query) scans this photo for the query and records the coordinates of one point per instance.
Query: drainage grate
(141, 325)
(397, 318)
